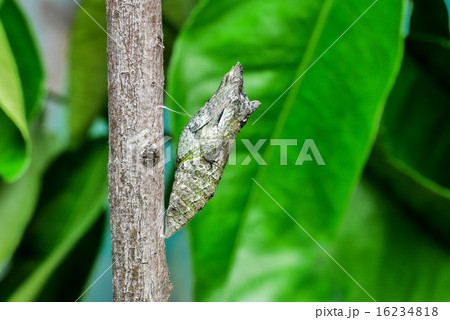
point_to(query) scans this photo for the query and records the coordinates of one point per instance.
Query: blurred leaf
(431, 56)
(68, 280)
(430, 17)
(175, 12)
(414, 141)
(18, 200)
(416, 122)
(14, 135)
(244, 246)
(429, 201)
(88, 68)
(74, 194)
(17, 204)
(102, 291)
(392, 255)
(26, 54)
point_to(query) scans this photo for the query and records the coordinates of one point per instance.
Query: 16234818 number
(404, 311)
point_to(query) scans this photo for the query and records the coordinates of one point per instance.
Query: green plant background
(376, 104)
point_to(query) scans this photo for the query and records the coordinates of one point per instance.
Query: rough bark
(136, 170)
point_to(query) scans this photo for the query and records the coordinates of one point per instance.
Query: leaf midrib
(286, 108)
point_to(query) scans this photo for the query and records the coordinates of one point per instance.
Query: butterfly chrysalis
(204, 147)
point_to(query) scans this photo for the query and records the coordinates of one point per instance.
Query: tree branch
(136, 162)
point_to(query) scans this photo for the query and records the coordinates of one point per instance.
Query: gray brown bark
(136, 170)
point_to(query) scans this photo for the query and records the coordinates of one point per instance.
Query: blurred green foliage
(17, 199)
(88, 69)
(15, 138)
(27, 57)
(244, 246)
(376, 105)
(50, 207)
(73, 207)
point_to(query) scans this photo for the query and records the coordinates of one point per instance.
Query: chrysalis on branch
(204, 147)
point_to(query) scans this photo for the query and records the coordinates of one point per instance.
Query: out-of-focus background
(376, 105)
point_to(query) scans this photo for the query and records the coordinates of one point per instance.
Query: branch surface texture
(136, 130)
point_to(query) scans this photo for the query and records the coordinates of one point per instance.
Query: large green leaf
(393, 255)
(88, 68)
(26, 56)
(74, 194)
(14, 135)
(244, 246)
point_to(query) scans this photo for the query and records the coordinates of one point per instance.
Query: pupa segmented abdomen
(204, 147)
(194, 186)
